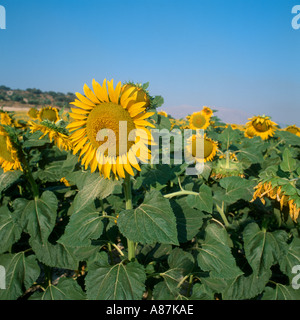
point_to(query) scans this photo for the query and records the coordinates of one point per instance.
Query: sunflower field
(77, 223)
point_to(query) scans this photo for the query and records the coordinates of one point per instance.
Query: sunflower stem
(222, 213)
(29, 176)
(128, 199)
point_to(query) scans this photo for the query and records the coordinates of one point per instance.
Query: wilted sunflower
(104, 109)
(266, 189)
(195, 145)
(33, 113)
(293, 129)
(261, 126)
(229, 168)
(199, 120)
(55, 133)
(48, 113)
(8, 154)
(141, 94)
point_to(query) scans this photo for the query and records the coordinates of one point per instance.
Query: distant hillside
(16, 98)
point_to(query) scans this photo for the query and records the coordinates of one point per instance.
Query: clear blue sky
(241, 57)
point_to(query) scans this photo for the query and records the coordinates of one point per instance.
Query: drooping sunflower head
(230, 168)
(261, 126)
(208, 111)
(8, 153)
(163, 113)
(142, 95)
(48, 113)
(293, 129)
(199, 120)
(33, 113)
(200, 148)
(58, 135)
(109, 129)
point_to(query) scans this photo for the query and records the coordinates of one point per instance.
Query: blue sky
(240, 57)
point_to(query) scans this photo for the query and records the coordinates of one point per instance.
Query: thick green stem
(222, 213)
(29, 176)
(128, 199)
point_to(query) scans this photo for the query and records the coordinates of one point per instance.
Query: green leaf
(281, 292)
(289, 163)
(229, 137)
(291, 258)
(94, 186)
(181, 260)
(35, 141)
(288, 137)
(236, 188)
(241, 287)
(58, 255)
(19, 270)
(66, 289)
(84, 225)
(215, 255)
(7, 179)
(38, 215)
(203, 201)
(118, 282)
(153, 221)
(188, 220)
(202, 292)
(10, 230)
(263, 249)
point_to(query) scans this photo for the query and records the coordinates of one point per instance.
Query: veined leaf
(7, 179)
(66, 289)
(262, 248)
(19, 271)
(289, 163)
(153, 221)
(203, 201)
(117, 282)
(281, 292)
(38, 215)
(215, 255)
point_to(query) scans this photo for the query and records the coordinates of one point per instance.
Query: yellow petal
(90, 94)
(84, 100)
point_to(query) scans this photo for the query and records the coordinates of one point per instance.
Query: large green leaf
(118, 282)
(38, 215)
(281, 292)
(66, 289)
(291, 258)
(84, 225)
(262, 248)
(94, 186)
(153, 221)
(181, 260)
(203, 201)
(289, 163)
(235, 188)
(10, 229)
(215, 255)
(188, 220)
(20, 271)
(7, 179)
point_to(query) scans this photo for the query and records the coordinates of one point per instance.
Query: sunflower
(8, 153)
(6, 119)
(275, 192)
(208, 111)
(195, 145)
(33, 113)
(293, 129)
(57, 134)
(227, 169)
(142, 95)
(163, 113)
(106, 109)
(48, 113)
(261, 126)
(199, 120)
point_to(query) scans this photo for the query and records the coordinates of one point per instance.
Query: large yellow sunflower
(199, 120)
(261, 126)
(55, 133)
(8, 154)
(48, 113)
(106, 109)
(195, 147)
